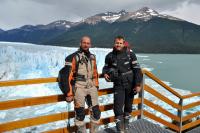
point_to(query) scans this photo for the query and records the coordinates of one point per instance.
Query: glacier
(27, 61)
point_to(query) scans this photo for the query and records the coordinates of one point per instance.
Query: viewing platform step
(140, 126)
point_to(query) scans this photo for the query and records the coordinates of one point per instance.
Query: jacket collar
(86, 53)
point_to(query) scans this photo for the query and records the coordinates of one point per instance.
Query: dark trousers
(123, 98)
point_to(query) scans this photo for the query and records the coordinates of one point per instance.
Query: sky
(16, 13)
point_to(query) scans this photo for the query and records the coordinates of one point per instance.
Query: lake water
(181, 70)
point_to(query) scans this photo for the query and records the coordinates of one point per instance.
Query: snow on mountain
(144, 13)
(24, 61)
(112, 17)
(109, 17)
(61, 23)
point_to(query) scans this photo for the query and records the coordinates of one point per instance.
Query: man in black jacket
(121, 68)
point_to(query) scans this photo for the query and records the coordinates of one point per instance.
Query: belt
(81, 78)
(125, 73)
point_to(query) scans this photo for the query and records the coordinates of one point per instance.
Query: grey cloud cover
(15, 13)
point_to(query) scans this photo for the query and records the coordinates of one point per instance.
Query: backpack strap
(77, 58)
(92, 57)
(128, 51)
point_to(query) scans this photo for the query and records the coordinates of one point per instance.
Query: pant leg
(95, 111)
(79, 106)
(119, 98)
(93, 92)
(128, 101)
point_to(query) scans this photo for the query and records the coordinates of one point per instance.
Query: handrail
(191, 95)
(43, 119)
(179, 106)
(191, 105)
(150, 75)
(18, 103)
(31, 81)
(189, 116)
(158, 119)
(4, 105)
(161, 97)
(10, 104)
(49, 118)
(28, 81)
(160, 109)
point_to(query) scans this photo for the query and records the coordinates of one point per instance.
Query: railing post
(141, 96)
(180, 115)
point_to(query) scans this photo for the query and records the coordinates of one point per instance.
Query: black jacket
(120, 63)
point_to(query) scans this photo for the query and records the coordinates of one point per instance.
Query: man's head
(85, 43)
(119, 43)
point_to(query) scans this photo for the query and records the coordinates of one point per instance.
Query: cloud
(15, 13)
(187, 10)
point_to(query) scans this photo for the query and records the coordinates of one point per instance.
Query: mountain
(36, 34)
(145, 29)
(144, 14)
(1, 30)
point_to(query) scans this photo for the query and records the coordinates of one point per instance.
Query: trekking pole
(68, 122)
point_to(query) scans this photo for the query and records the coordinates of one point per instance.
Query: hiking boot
(81, 129)
(94, 127)
(120, 125)
(126, 122)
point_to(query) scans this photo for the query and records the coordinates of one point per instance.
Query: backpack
(63, 75)
(62, 80)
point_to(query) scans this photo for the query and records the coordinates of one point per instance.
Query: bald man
(83, 84)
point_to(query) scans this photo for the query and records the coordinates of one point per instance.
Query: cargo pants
(81, 91)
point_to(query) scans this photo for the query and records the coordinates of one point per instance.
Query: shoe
(120, 125)
(81, 129)
(126, 123)
(94, 127)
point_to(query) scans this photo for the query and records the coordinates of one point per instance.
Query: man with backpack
(81, 84)
(121, 68)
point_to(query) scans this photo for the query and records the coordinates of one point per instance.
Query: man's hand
(137, 88)
(107, 77)
(69, 99)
